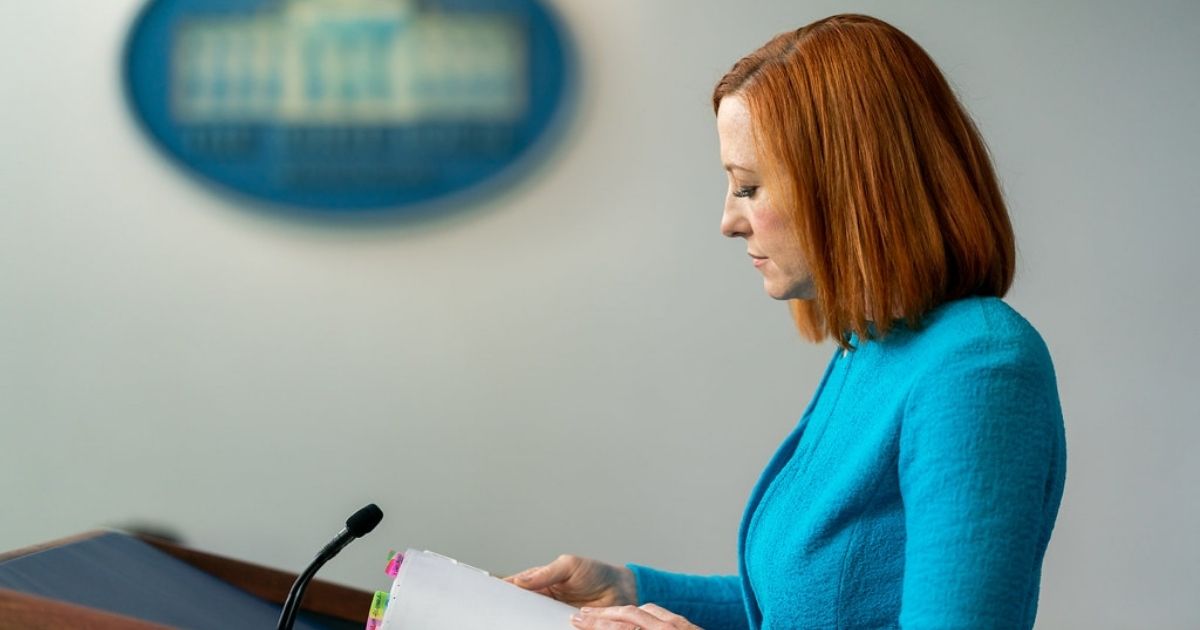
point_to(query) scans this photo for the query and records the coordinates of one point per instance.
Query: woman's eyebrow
(729, 166)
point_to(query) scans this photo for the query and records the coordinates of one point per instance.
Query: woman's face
(750, 212)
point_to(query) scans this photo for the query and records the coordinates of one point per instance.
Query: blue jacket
(918, 490)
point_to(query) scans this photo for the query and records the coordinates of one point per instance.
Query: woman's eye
(745, 192)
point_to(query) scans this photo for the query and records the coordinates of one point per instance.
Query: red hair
(890, 189)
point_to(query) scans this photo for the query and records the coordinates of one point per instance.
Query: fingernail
(585, 610)
(577, 618)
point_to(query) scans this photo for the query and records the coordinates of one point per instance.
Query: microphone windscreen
(363, 521)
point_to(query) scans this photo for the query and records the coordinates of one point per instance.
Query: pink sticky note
(393, 566)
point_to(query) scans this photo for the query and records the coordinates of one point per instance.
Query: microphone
(358, 525)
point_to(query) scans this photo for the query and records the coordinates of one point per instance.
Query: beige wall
(581, 363)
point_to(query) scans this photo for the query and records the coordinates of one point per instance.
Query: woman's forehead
(736, 136)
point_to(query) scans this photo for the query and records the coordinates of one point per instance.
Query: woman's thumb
(545, 576)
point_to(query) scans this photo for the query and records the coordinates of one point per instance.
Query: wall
(580, 363)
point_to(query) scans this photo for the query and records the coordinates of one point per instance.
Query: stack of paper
(433, 592)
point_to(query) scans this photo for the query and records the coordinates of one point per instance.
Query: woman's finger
(541, 591)
(604, 624)
(631, 616)
(544, 577)
(512, 579)
(676, 621)
(585, 621)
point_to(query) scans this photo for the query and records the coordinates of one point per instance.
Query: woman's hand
(648, 617)
(580, 582)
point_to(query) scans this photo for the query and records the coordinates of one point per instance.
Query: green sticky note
(378, 605)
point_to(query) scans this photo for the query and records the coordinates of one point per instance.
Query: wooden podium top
(104, 579)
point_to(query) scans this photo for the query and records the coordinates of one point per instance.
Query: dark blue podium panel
(123, 575)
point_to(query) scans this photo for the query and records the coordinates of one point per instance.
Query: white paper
(433, 592)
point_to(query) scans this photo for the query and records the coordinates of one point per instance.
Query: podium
(106, 580)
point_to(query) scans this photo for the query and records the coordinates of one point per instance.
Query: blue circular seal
(348, 107)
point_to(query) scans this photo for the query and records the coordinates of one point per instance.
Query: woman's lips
(758, 260)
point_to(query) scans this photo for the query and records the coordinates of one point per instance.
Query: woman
(921, 485)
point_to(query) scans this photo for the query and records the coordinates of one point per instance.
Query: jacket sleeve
(981, 468)
(711, 602)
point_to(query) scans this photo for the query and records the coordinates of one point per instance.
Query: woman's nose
(733, 224)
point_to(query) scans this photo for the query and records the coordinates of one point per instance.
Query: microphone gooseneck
(358, 525)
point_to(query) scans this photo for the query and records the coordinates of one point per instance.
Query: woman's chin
(776, 293)
(800, 291)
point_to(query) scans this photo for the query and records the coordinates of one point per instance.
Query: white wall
(581, 363)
